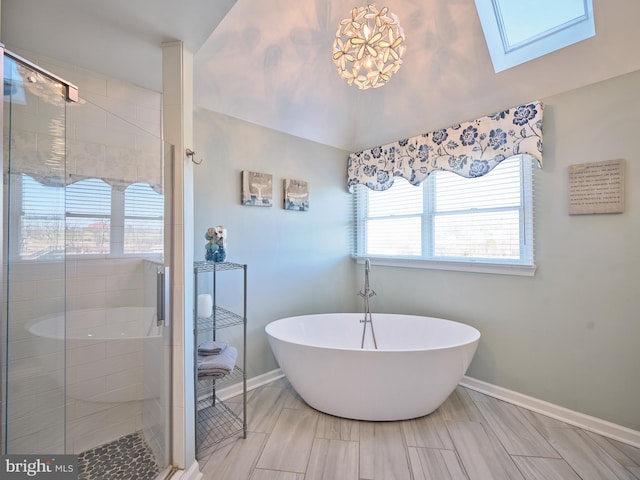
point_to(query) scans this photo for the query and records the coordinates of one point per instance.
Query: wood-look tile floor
(470, 437)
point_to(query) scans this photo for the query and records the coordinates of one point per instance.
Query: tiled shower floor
(128, 458)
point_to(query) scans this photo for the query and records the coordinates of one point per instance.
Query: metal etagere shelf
(221, 318)
(218, 420)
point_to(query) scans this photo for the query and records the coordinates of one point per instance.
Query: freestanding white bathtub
(418, 363)
(104, 349)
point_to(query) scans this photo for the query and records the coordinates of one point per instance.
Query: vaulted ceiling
(269, 62)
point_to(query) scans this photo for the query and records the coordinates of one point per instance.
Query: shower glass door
(34, 373)
(86, 347)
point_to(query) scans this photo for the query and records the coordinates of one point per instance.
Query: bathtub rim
(476, 333)
(31, 323)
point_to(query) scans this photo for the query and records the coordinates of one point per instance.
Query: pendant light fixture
(368, 47)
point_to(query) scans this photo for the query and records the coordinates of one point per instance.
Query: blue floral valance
(470, 149)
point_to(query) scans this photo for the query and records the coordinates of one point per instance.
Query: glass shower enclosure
(85, 337)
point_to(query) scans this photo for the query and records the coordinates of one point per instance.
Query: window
(517, 32)
(452, 222)
(143, 220)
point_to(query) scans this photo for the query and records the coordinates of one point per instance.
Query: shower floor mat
(128, 458)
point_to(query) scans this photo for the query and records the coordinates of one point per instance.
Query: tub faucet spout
(366, 294)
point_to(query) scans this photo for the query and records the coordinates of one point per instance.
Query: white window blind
(449, 218)
(143, 219)
(42, 221)
(88, 207)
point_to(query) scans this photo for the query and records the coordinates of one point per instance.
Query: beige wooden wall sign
(596, 187)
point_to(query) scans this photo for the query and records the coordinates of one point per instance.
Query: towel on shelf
(212, 347)
(217, 366)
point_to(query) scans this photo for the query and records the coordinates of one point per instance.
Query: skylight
(518, 31)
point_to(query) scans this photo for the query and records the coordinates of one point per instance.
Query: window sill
(473, 267)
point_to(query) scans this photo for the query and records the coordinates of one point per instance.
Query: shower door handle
(161, 294)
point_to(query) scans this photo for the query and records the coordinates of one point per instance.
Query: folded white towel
(212, 347)
(216, 366)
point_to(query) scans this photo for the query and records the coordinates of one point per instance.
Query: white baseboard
(252, 383)
(577, 419)
(192, 473)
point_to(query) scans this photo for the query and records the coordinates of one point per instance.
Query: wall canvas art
(257, 189)
(296, 195)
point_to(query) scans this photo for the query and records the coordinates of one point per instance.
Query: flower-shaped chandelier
(369, 46)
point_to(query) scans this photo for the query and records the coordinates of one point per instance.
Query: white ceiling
(269, 62)
(118, 38)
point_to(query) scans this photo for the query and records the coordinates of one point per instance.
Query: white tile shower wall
(94, 371)
(155, 385)
(34, 362)
(105, 283)
(137, 105)
(155, 403)
(92, 423)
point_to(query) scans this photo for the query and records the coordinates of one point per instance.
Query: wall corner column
(177, 119)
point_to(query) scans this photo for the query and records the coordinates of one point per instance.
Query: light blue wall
(570, 335)
(298, 262)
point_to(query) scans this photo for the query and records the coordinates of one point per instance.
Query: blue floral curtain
(469, 149)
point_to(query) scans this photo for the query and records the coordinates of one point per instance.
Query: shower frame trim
(71, 91)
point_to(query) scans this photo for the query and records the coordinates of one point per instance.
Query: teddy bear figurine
(216, 247)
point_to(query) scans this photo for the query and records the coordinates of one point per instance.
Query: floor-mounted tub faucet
(367, 293)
